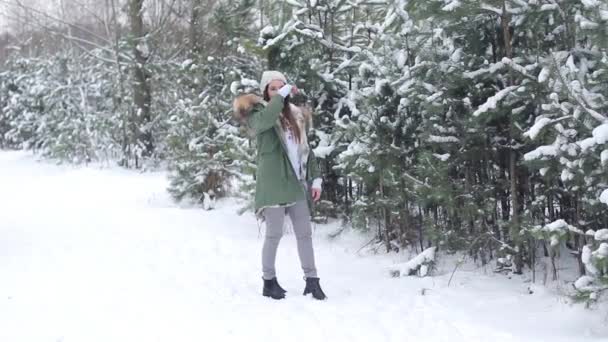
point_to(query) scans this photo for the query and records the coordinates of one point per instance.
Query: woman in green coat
(287, 177)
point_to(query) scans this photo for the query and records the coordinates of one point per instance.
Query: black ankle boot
(279, 286)
(312, 286)
(272, 289)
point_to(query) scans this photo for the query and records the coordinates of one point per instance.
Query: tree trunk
(117, 100)
(142, 97)
(515, 221)
(385, 219)
(195, 18)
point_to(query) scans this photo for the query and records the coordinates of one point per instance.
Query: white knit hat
(269, 76)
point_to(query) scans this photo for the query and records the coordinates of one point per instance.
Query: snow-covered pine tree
(8, 90)
(571, 132)
(61, 107)
(476, 103)
(206, 150)
(76, 123)
(316, 44)
(380, 125)
(25, 81)
(204, 146)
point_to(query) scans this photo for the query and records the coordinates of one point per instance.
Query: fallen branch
(421, 264)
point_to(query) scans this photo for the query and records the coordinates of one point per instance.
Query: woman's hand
(285, 90)
(316, 194)
(288, 89)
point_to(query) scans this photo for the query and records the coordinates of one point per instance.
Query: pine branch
(598, 116)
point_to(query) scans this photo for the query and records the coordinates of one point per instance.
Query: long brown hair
(288, 120)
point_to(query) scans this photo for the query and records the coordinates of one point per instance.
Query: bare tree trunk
(515, 221)
(195, 21)
(142, 97)
(385, 219)
(553, 255)
(118, 100)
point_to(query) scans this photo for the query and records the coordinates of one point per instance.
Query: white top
(294, 158)
(292, 153)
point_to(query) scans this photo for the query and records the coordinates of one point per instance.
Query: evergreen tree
(206, 150)
(317, 44)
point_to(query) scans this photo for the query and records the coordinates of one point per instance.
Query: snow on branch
(492, 9)
(604, 157)
(601, 235)
(554, 231)
(492, 102)
(519, 68)
(295, 3)
(280, 37)
(420, 265)
(599, 137)
(540, 124)
(597, 116)
(537, 127)
(591, 3)
(314, 33)
(451, 6)
(542, 151)
(604, 197)
(443, 139)
(600, 134)
(492, 69)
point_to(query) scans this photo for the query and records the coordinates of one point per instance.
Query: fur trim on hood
(243, 104)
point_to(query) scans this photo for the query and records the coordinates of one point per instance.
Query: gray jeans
(300, 219)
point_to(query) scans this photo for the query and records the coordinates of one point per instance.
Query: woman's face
(274, 86)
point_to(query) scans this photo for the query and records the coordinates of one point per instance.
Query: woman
(286, 164)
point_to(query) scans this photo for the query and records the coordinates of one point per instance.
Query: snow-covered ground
(88, 254)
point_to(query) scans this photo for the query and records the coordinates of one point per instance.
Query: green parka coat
(276, 180)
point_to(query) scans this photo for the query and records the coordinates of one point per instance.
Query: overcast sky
(9, 7)
(3, 23)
